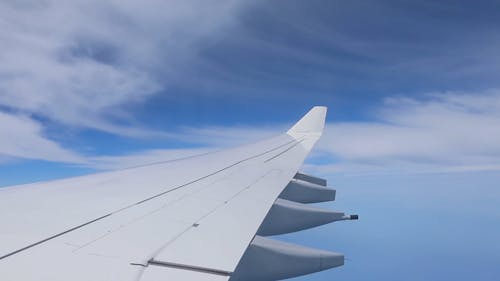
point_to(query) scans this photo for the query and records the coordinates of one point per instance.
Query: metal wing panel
(222, 237)
(194, 216)
(34, 212)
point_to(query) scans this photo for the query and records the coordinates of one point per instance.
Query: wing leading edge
(200, 218)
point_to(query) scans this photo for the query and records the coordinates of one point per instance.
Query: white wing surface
(198, 218)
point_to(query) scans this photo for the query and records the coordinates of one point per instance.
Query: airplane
(203, 218)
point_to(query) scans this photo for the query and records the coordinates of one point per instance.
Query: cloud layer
(92, 64)
(21, 137)
(441, 132)
(82, 63)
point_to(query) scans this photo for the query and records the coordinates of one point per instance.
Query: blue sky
(413, 135)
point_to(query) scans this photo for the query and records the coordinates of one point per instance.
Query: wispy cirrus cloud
(84, 63)
(21, 137)
(56, 65)
(339, 50)
(89, 64)
(442, 132)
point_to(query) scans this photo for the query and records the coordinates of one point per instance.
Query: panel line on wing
(198, 220)
(145, 200)
(209, 175)
(285, 151)
(53, 237)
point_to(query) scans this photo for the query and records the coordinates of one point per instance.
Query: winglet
(311, 124)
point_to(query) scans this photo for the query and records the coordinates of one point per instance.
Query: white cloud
(81, 63)
(441, 133)
(21, 137)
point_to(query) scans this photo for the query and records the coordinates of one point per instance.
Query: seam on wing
(142, 201)
(286, 150)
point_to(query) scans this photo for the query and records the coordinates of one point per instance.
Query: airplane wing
(200, 218)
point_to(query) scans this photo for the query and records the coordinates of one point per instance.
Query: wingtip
(310, 124)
